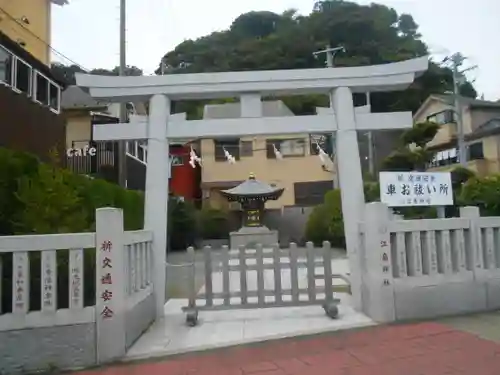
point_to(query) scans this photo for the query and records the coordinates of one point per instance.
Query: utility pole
(122, 158)
(330, 54)
(457, 60)
(163, 66)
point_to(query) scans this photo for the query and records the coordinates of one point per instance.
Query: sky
(87, 31)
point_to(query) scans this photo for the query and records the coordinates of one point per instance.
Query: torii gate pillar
(156, 199)
(351, 184)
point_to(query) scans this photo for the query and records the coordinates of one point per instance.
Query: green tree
(412, 154)
(371, 34)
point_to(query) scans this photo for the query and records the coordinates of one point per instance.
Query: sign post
(416, 189)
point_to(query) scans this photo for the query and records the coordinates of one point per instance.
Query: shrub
(213, 223)
(181, 224)
(482, 192)
(13, 166)
(96, 193)
(48, 205)
(372, 191)
(326, 221)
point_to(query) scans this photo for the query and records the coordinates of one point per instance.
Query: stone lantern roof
(252, 189)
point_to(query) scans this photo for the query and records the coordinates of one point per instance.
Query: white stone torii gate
(161, 127)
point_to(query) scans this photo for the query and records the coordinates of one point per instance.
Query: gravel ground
(177, 276)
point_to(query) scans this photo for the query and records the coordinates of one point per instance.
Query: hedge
(38, 198)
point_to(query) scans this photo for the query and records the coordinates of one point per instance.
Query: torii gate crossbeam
(238, 127)
(161, 127)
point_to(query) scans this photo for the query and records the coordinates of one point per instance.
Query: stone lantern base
(250, 236)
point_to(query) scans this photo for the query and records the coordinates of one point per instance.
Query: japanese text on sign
(106, 279)
(399, 189)
(20, 287)
(48, 286)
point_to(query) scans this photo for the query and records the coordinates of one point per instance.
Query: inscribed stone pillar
(156, 199)
(110, 308)
(351, 183)
(378, 301)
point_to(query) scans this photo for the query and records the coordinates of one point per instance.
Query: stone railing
(74, 300)
(428, 268)
(139, 283)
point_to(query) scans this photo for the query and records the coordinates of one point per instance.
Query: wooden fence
(250, 291)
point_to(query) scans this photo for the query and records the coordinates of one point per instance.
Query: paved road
(177, 276)
(485, 325)
(409, 349)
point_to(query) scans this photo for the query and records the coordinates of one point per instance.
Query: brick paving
(409, 349)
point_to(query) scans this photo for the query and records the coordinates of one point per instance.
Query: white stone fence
(415, 269)
(64, 324)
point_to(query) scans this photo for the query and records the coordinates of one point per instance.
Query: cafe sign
(85, 151)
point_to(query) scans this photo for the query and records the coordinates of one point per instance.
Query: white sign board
(400, 189)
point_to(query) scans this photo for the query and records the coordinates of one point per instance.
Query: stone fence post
(473, 247)
(378, 288)
(110, 307)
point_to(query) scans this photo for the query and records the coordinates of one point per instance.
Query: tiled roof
(492, 124)
(74, 97)
(469, 101)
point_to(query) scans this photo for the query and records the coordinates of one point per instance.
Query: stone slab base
(249, 237)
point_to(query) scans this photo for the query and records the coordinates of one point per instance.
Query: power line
(40, 39)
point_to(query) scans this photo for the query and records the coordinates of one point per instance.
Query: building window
(141, 153)
(475, 151)
(230, 145)
(136, 149)
(444, 157)
(287, 147)
(23, 77)
(246, 148)
(444, 117)
(42, 89)
(322, 140)
(54, 97)
(5, 66)
(311, 193)
(450, 156)
(176, 160)
(46, 92)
